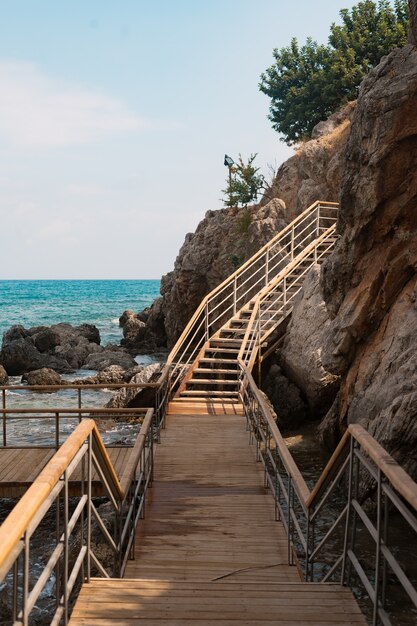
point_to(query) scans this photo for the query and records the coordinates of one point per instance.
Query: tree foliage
(244, 183)
(308, 83)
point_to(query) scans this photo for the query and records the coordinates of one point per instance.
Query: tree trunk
(412, 31)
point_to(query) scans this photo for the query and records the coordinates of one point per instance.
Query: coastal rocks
(132, 398)
(61, 347)
(114, 374)
(110, 355)
(3, 376)
(44, 376)
(144, 331)
(300, 356)
(369, 283)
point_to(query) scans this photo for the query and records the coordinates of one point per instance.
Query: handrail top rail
(81, 386)
(236, 273)
(396, 475)
(76, 410)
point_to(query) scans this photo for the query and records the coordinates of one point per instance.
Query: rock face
(289, 407)
(369, 283)
(315, 171)
(300, 356)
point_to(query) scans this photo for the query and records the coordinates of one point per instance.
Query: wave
(115, 321)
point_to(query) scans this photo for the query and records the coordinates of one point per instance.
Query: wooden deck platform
(209, 551)
(20, 466)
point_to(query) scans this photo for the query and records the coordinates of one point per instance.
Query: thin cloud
(40, 111)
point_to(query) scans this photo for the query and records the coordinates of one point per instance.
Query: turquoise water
(99, 302)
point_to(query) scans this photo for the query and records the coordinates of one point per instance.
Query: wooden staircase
(212, 380)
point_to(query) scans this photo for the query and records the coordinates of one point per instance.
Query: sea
(100, 302)
(46, 302)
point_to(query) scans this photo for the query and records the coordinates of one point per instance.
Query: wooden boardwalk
(20, 466)
(209, 551)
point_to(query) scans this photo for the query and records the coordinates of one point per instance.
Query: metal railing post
(318, 221)
(57, 430)
(292, 243)
(234, 295)
(377, 547)
(207, 321)
(349, 504)
(89, 504)
(267, 266)
(4, 417)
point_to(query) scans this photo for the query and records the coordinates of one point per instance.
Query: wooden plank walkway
(209, 552)
(20, 466)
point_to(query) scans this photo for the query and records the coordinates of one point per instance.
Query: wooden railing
(360, 490)
(73, 557)
(244, 284)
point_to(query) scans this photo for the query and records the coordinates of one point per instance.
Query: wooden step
(203, 400)
(210, 381)
(207, 394)
(224, 341)
(223, 350)
(208, 370)
(205, 407)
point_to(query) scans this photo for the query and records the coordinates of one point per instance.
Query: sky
(115, 116)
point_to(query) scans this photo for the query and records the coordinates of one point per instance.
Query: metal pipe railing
(359, 491)
(74, 554)
(241, 286)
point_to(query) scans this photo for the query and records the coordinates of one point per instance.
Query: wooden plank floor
(20, 466)
(209, 551)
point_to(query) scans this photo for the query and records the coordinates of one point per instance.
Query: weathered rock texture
(301, 354)
(44, 376)
(315, 171)
(369, 283)
(61, 347)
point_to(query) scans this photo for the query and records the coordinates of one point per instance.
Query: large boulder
(43, 376)
(110, 355)
(301, 354)
(61, 347)
(130, 397)
(369, 283)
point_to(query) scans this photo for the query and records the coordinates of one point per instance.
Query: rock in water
(3, 376)
(44, 376)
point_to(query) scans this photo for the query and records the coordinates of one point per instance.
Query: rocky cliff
(226, 238)
(369, 284)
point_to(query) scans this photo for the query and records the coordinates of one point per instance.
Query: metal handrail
(82, 410)
(358, 466)
(285, 287)
(238, 289)
(84, 450)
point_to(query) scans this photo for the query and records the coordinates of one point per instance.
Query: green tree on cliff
(308, 83)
